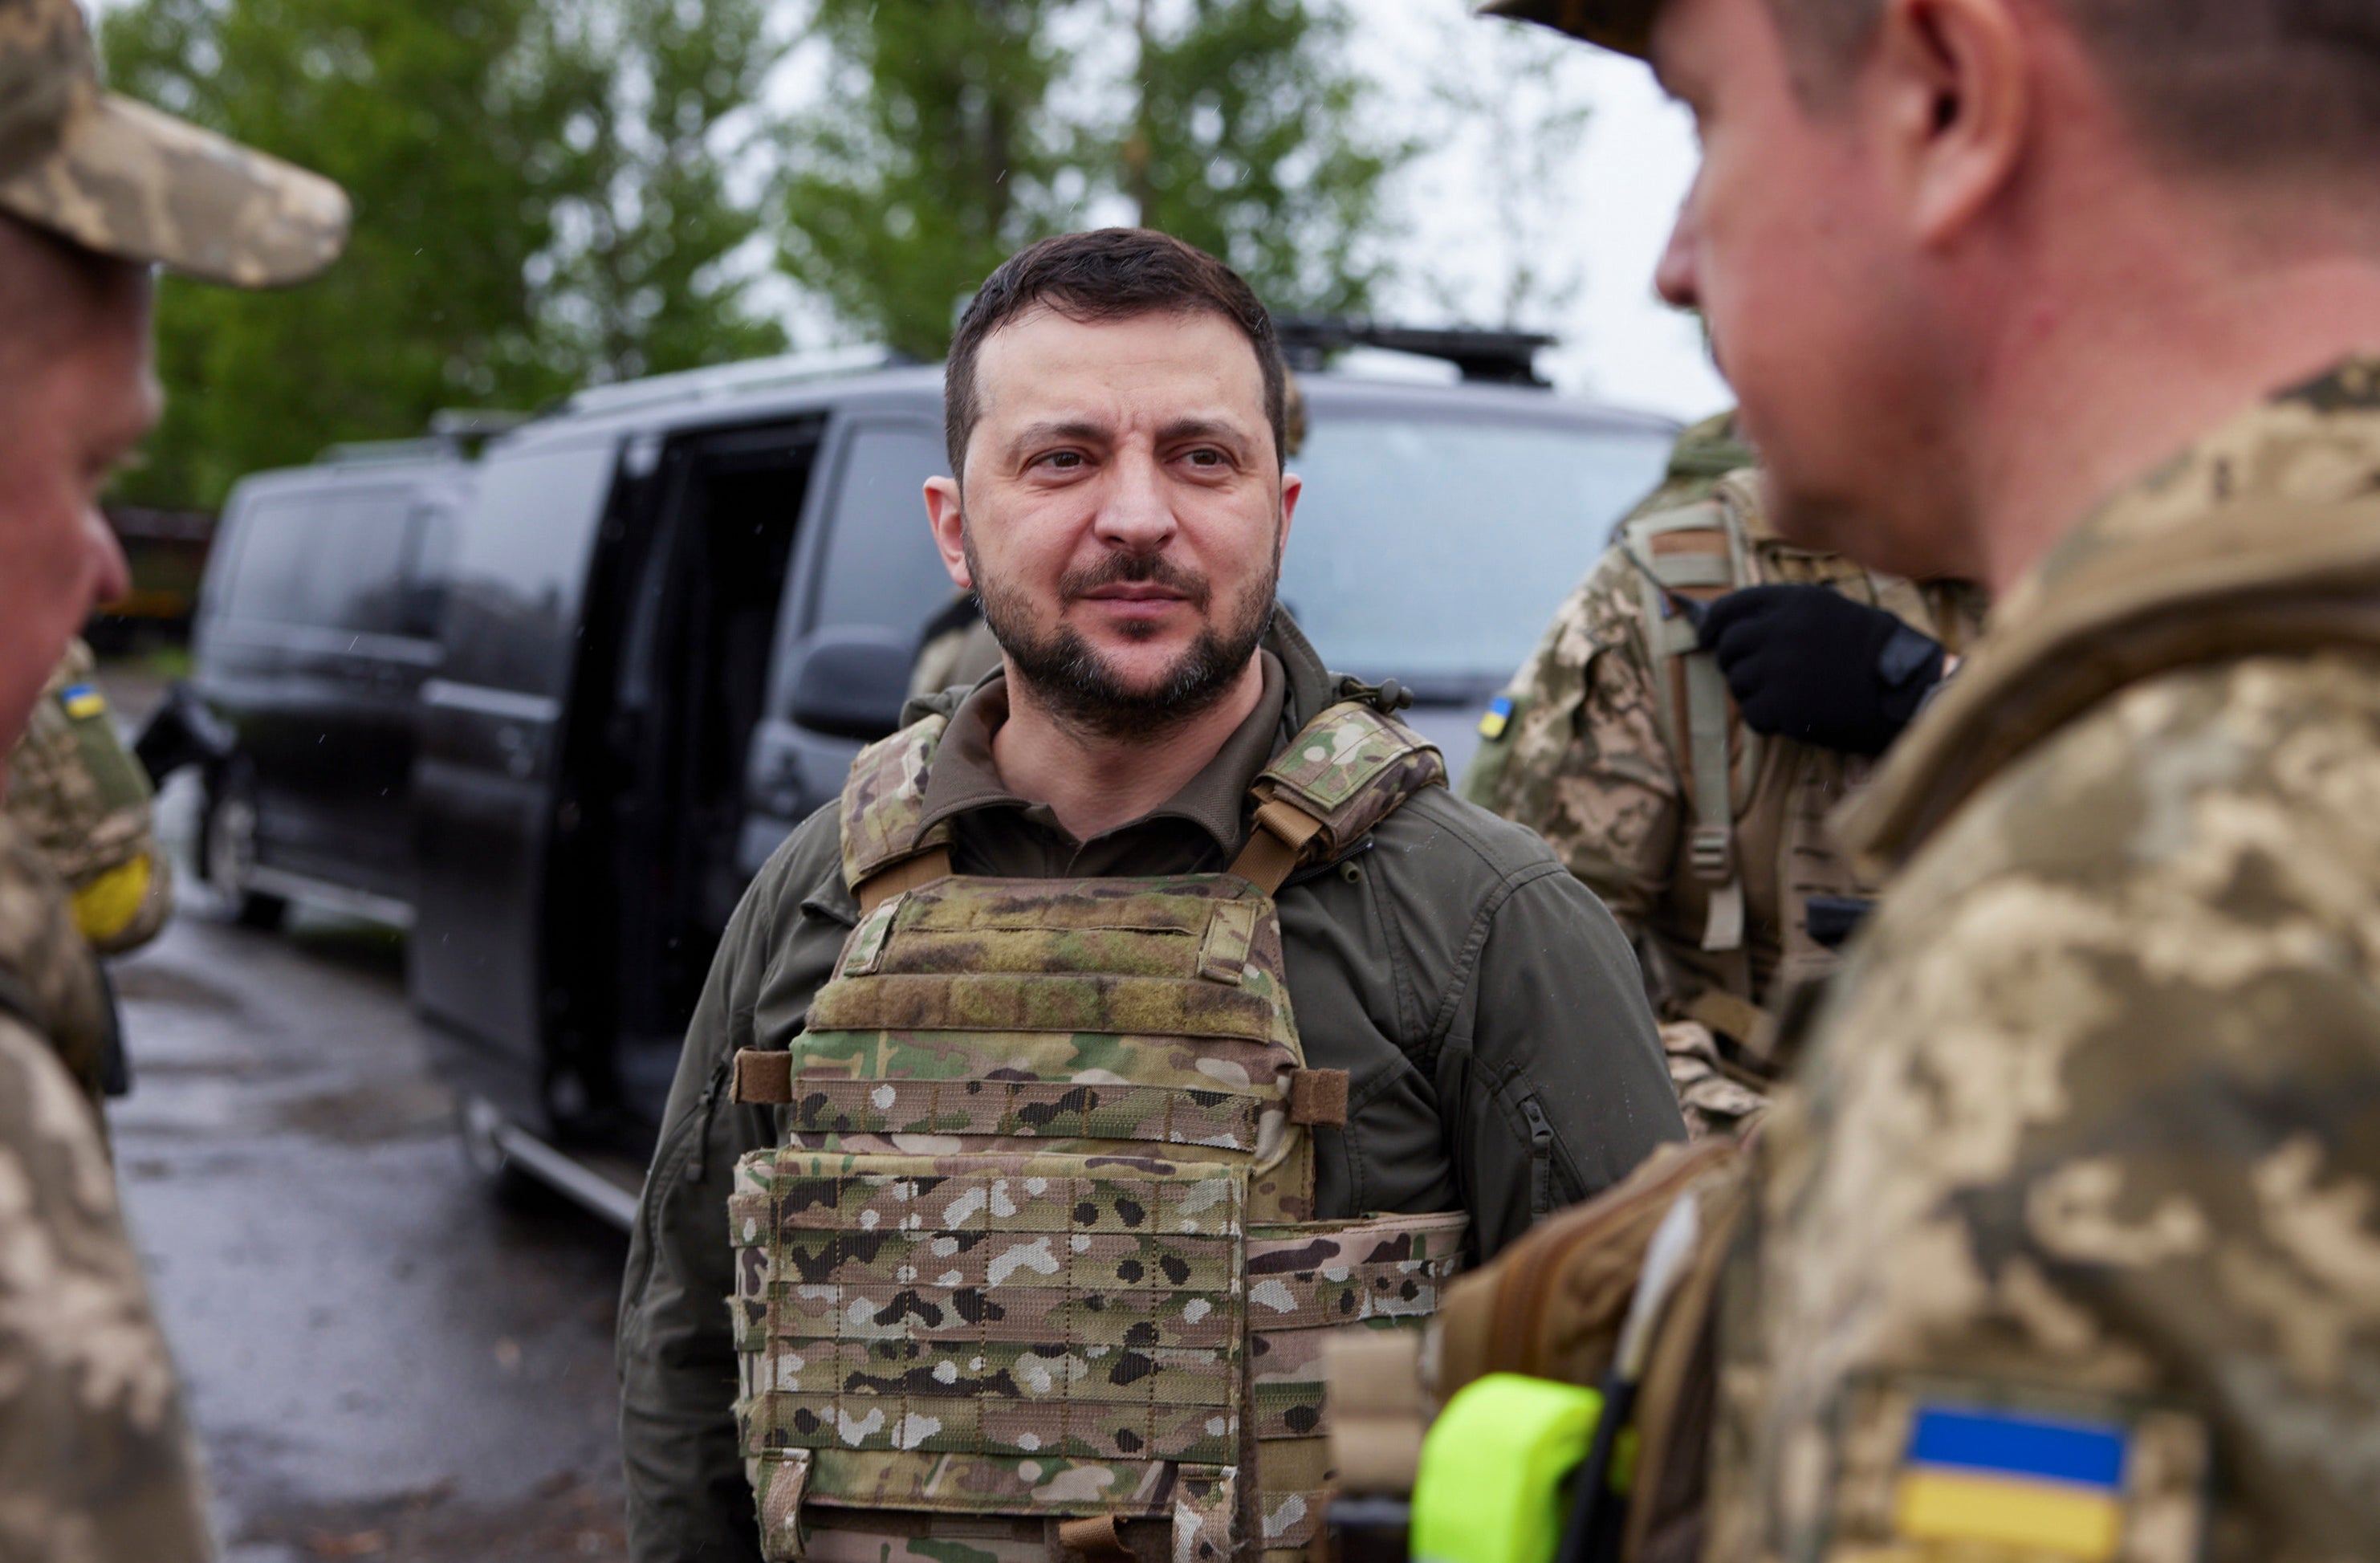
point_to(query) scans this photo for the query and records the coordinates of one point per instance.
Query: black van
(676, 609)
(317, 624)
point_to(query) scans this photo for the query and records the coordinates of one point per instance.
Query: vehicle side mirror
(853, 682)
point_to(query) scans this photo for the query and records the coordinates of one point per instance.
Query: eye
(1206, 457)
(1064, 461)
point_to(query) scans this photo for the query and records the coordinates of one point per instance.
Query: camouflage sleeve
(96, 1461)
(2090, 1137)
(687, 1498)
(76, 791)
(1581, 761)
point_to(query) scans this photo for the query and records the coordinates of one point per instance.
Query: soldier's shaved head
(2240, 85)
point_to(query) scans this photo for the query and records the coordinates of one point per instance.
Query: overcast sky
(1607, 208)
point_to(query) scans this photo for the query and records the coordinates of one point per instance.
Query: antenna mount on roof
(1500, 358)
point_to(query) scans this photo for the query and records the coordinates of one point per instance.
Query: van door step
(606, 1184)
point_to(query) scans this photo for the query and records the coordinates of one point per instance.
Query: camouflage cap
(121, 178)
(1623, 25)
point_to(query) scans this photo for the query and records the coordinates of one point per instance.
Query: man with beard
(1162, 812)
(2068, 1237)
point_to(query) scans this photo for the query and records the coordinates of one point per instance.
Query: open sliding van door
(486, 777)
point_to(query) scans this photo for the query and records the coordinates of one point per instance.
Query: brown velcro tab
(765, 1078)
(1318, 1096)
(1101, 1539)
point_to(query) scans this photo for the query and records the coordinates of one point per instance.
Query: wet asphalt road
(382, 1361)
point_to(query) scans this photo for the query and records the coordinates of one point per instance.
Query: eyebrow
(1214, 429)
(1079, 430)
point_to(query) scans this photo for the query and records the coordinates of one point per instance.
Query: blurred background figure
(1687, 779)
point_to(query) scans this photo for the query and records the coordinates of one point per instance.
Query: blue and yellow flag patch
(2026, 1483)
(1498, 717)
(81, 700)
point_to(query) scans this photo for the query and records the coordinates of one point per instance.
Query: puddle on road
(154, 982)
(370, 1114)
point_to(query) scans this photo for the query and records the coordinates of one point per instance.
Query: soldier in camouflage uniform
(96, 1462)
(1593, 747)
(2068, 1242)
(76, 791)
(1113, 1037)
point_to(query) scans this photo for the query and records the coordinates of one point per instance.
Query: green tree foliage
(929, 158)
(952, 132)
(650, 281)
(1245, 142)
(486, 144)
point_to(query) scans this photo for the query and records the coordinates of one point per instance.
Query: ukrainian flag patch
(82, 700)
(2001, 1478)
(1498, 717)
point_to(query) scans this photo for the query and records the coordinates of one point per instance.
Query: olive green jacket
(1488, 1010)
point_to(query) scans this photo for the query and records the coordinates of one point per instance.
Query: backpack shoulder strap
(1702, 550)
(1343, 773)
(884, 800)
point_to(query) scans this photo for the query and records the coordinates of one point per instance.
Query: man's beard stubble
(1083, 690)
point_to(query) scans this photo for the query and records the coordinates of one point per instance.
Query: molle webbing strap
(1698, 720)
(908, 874)
(1275, 846)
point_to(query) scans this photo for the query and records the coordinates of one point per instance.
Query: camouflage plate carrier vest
(1033, 1274)
(1704, 551)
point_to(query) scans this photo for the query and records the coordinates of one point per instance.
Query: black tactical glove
(1807, 663)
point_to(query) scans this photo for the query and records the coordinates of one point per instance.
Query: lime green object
(1495, 1470)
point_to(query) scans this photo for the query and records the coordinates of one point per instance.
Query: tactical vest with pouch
(1702, 552)
(1033, 1272)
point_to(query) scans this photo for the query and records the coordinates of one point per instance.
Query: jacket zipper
(1541, 1159)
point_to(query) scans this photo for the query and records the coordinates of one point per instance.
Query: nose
(1136, 514)
(1674, 277)
(111, 578)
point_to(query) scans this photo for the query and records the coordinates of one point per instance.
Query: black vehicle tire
(227, 853)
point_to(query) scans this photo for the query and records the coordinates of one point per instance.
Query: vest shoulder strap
(1702, 550)
(1344, 773)
(883, 802)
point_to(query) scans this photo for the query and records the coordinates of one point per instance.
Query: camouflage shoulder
(2102, 1084)
(1604, 613)
(1561, 689)
(97, 1459)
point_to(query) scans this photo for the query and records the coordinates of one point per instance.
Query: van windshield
(1431, 549)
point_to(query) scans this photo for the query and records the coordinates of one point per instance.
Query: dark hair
(2239, 86)
(1106, 274)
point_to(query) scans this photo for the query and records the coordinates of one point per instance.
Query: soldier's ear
(1292, 486)
(1950, 90)
(946, 514)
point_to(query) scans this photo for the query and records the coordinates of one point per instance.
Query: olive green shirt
(1502, 1057)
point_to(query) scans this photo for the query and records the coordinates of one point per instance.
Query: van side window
(358, 580)
(276, 541)
(882, 567)
(430, 564)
